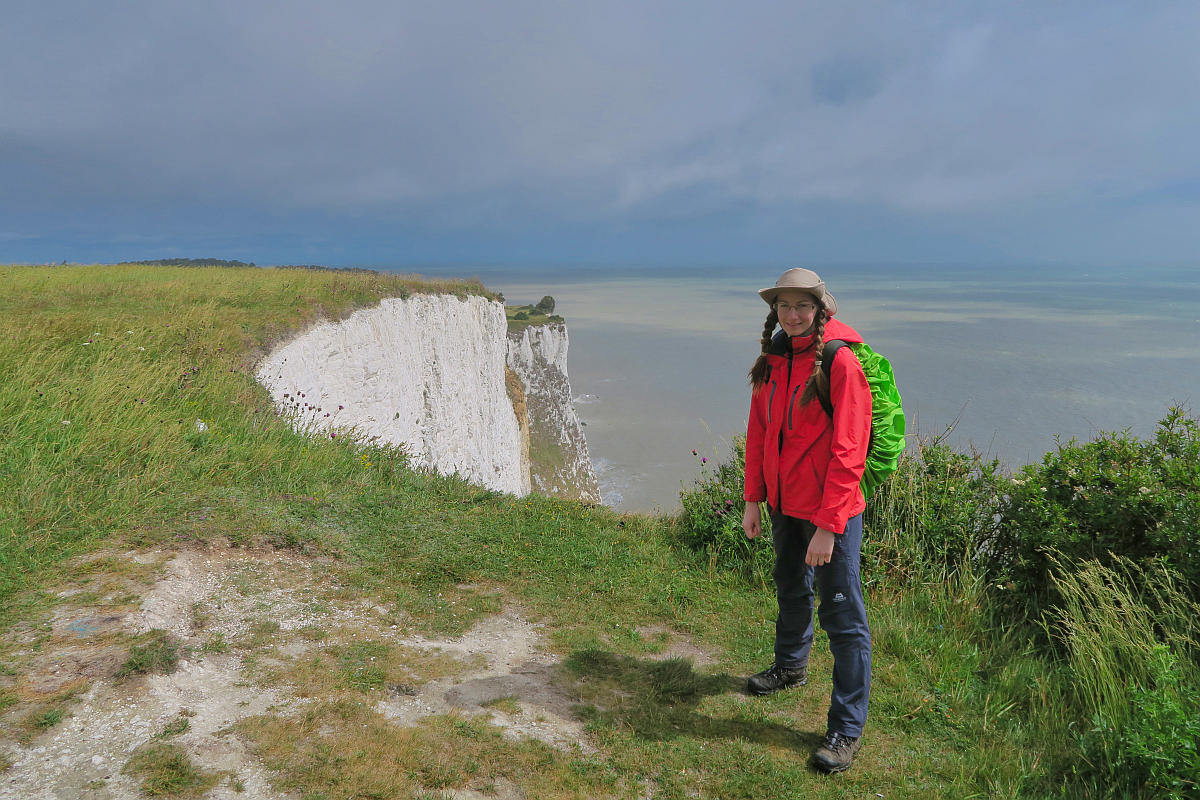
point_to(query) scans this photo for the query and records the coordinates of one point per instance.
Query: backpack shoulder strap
(831, 349)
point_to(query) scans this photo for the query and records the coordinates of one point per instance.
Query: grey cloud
(463, 113)
(845, 80)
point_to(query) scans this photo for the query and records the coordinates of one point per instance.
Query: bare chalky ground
(248, 620)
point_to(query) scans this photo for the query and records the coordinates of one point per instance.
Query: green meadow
(1035, 633)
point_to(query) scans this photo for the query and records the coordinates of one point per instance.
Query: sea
(1008, 360)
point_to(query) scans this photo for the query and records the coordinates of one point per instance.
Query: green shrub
(1134, 677)
(520, 315)
(935, 512)
(1159, 748)
(711, 517)
(1106, 499)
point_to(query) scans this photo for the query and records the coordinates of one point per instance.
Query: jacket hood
(782, 344)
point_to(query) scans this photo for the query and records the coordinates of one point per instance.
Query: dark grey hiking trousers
(842, 612)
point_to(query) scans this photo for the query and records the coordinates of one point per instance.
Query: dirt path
(243, 616)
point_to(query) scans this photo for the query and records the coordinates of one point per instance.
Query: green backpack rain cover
(887, 417)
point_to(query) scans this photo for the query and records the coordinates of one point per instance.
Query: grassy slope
(132, 469)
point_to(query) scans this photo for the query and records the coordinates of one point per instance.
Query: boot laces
(837, 742)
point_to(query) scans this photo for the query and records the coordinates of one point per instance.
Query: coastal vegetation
(1071, 586)
(1035, 632)
(186, 262)
(521, 317)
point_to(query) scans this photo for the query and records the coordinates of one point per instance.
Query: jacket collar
(784, 345)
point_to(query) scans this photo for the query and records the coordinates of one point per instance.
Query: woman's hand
(820, 548)
(752, 520)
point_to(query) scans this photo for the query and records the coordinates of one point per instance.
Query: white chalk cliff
(437, 375)
(559, 462)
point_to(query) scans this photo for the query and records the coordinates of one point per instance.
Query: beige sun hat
(804, 280)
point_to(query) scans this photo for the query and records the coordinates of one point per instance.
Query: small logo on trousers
(839, 597)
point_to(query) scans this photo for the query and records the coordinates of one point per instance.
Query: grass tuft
(166, 770)
(178, 726)
(156, 653)
(506, 703)
(1135, 677)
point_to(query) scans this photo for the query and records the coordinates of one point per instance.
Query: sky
(647, 132)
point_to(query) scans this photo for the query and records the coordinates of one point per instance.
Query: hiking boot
(836, 752)
(775, 677)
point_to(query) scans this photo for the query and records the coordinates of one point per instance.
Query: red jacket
(797, 457)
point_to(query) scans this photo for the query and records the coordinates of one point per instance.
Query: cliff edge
(559, 461)
(436, 374)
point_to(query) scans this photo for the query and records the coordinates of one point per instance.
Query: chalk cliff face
(428, 372)
(559, 460)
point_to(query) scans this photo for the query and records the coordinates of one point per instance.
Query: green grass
(166, 770)
(345, 749)
(532, 315)
(104, 372)
(507, 703)
(178, 726)
(963, 704)
(155, 653)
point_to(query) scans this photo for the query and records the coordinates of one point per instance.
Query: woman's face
(796, 311)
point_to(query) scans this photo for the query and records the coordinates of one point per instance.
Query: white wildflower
(200, 426)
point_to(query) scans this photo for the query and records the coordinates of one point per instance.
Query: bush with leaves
(1158, 747)
(711, 516)
(937, 511)
(1113, 497)
(1130, 637)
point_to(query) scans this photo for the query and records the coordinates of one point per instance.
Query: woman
(806, 464)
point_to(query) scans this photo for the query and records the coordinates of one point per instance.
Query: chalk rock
(428, 373)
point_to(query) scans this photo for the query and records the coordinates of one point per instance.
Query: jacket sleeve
(850, 395)
(756, 483)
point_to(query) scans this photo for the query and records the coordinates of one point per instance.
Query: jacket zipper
(789, 383)
(792, 405)
(771, 400)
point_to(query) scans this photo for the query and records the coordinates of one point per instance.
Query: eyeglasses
(799, 308)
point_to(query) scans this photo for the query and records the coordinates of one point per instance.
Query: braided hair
(818, 384)
(762, 369)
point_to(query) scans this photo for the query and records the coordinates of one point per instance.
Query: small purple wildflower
(704, 461)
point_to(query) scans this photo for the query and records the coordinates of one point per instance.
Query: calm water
(1017, 356)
